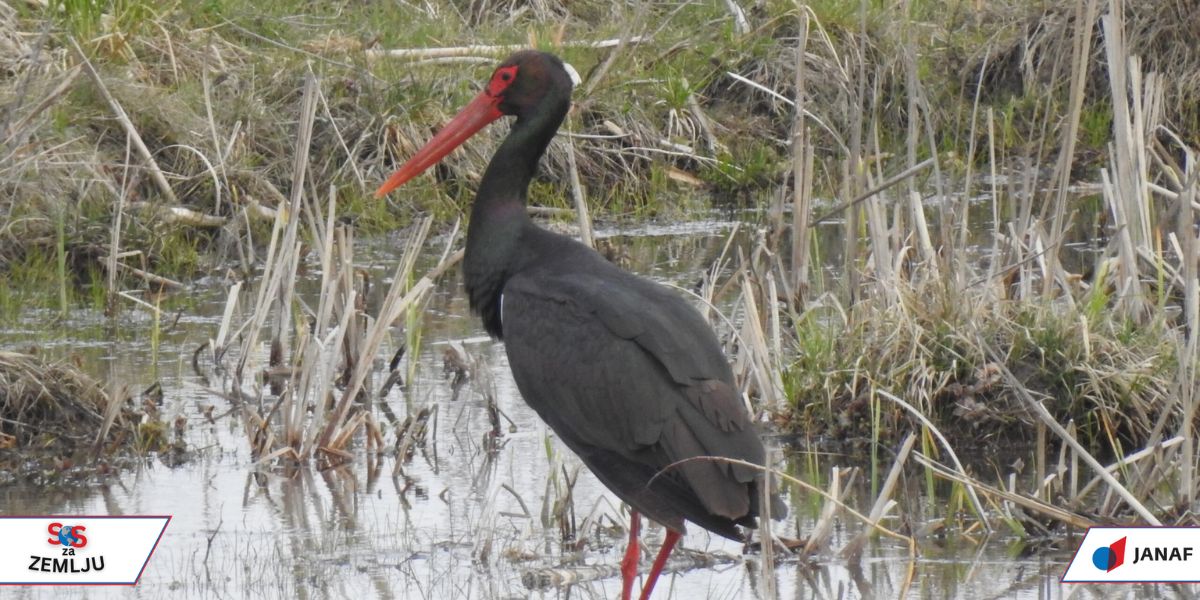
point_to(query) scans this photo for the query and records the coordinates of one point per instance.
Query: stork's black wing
(632, 379)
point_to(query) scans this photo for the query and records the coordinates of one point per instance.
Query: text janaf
(1162, 554)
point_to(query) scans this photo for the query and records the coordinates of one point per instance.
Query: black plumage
(625, 371)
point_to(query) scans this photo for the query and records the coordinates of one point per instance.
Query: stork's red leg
(659, 562)
(629, 564)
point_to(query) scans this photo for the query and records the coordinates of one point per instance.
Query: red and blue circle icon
(1107, 558)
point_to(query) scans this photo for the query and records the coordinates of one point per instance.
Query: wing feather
(620, 364)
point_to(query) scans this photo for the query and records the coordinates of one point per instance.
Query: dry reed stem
(740, 24)
(755, 351)
(1189, 394)
(158, 280)
(17, 133)
(489, 50)
(318, 355)
(114, 239)
(1043, 414)
(395, 303)
(119, 112)
(1080, 53)
(822, 529)
(1154, 450)
(580, 197)
(790, 102)
(836, 501)
(179, 215)
(802, 173)
(937, 433)
(218, 345)
(1033, 504)
(282, 301)
(885, 185)
(280, 252)
(883, 502)
(1125, 189)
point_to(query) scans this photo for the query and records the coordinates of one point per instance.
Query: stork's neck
(498, 215)
(507, 177)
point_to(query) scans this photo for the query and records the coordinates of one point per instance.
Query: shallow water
(457, 521)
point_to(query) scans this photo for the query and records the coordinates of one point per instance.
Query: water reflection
(470, 509)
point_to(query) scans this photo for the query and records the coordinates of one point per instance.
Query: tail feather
(708, 477)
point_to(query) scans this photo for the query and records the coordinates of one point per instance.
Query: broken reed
(314, 393)
(310, 402)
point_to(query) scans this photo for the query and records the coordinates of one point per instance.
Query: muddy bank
(58, 423)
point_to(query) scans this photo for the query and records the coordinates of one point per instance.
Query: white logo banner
(77, 549)
(1135, 555)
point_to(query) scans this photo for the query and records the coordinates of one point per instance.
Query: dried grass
(322, 363)
(1014, 346)
(1028, 54)
(52, 410)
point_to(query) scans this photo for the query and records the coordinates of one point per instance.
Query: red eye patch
(501, 79)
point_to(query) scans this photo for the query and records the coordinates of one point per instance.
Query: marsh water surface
(464, 517)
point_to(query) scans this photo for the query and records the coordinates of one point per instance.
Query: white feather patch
(575, 78)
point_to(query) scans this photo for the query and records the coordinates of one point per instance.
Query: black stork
(625, 371)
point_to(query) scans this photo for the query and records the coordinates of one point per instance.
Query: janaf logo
(1136, 555)
(1111, 556)
(68, 539)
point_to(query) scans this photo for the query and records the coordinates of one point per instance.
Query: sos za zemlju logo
(68, 539)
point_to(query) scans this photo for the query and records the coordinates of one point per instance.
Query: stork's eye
(501, 79)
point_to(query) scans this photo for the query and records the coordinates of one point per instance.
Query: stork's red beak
(482, 110)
